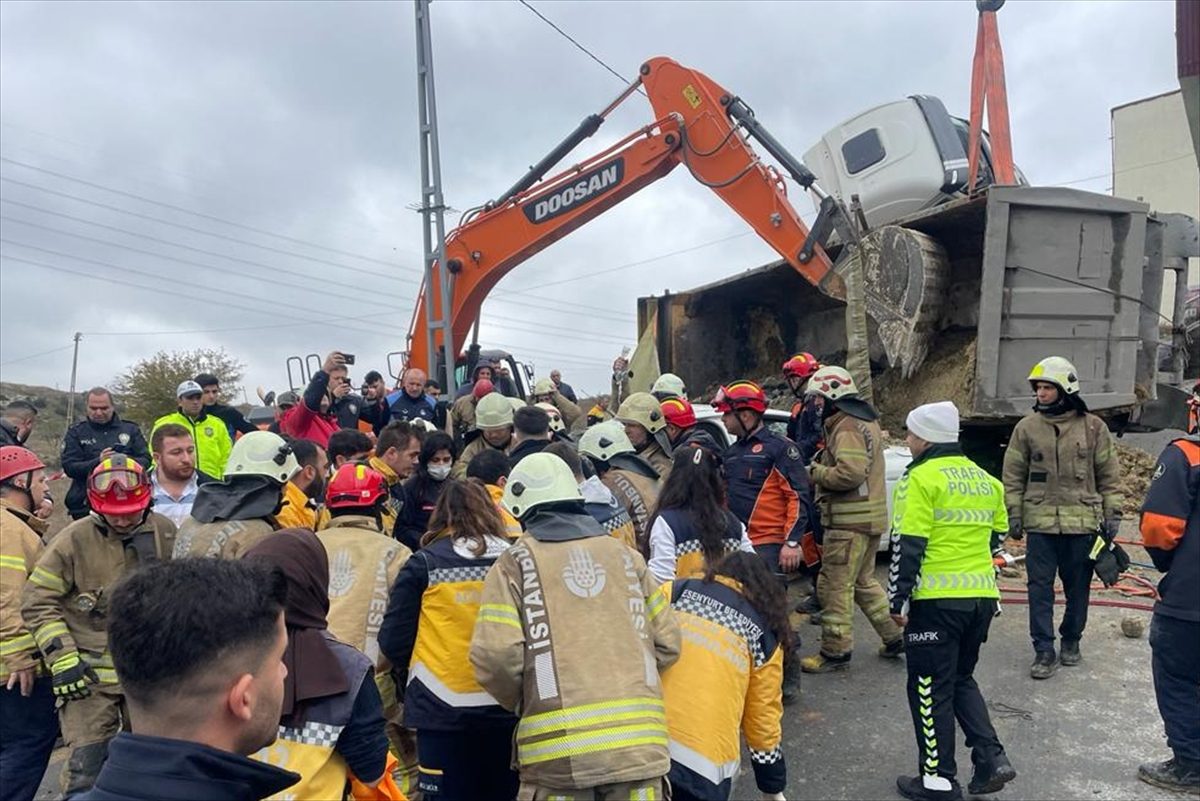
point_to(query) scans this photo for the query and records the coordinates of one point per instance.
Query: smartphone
(348, 357)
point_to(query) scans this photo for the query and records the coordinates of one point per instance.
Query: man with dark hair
(492, 468)
(396, 451)
(234, 420)
(314, 418)
(441, 408)
(348, 445)
(175, 479)
(374, 409)
(531, 433)
(203, 694)
(17, 421)
(100, 435)
(306, 489)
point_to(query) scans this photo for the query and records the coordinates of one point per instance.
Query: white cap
(188, 388)
(934, 422)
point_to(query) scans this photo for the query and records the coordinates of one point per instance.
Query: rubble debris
(1137, 468)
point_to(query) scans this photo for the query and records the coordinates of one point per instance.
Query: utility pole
(74, 370)
(433, 226)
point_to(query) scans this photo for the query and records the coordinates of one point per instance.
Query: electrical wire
(36, 355)
(575, 42)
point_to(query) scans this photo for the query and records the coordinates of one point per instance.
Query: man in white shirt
(175, 477)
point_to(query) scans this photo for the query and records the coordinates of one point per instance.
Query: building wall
(1153, 159)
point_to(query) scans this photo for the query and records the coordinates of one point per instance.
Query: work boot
(823, 663)
(990, 777)
(1044, 665)
(809, 605)
(1069, 656)
(1172, 775)
(893, 649)
(913, 787)
(815, 618)
(791, 680)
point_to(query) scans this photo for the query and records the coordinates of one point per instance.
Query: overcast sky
(255, 162)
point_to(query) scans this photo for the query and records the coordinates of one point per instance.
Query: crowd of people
(388, 595)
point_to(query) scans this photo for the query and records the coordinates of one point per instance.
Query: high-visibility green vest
(955, 505)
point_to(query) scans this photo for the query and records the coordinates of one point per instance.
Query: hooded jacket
(229, 517)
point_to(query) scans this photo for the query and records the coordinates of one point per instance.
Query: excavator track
(907, 275)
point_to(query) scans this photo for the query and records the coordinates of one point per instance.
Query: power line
(1114, 173)
(36, 355)
(575, 42)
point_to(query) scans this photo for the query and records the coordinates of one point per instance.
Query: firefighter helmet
(679, 412)
(643, 409)
(802, 365)
(604, 441)
(493, 411)
(16, 461)
(556, 421)
(740, 395)
(669, 385)
(544, 386)
(481, 387)
(1057, 371)
(355, 485)
(539, 479)
(118, 486)
(832, 382)
(262, 453)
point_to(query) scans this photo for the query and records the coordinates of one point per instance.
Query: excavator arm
(700, 125)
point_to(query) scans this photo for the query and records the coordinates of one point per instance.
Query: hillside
(46, 440)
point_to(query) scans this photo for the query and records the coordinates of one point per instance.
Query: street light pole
(74, 370)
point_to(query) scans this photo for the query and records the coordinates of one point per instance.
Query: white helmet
(604, 441)
(262, 453)
(516, 404)
(537, 480)
(556, 421)
(544, 386)
(832, 382)
(423, 424)
(1057, 371)
(493, 411)
(669, 384)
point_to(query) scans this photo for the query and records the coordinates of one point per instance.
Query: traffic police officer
(947, 519)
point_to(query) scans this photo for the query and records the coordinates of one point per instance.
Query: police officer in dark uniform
(89, 441)
(410, 402)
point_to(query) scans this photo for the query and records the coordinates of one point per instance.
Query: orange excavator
(708, 129)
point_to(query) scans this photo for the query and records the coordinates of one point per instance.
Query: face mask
(439, 472)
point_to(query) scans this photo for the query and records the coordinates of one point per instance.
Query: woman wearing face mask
(421, 492)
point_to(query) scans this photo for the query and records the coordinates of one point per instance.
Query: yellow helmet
(539, 479)
(493, 411)
(645, 410)
(1057, 371)
(604, 441)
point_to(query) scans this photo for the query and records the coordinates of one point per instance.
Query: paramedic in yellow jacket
(573, 631)
(65, 605)
(728, 679)
(464, 737)
(363, 565)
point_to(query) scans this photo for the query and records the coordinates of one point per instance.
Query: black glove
(71, 677)
(1014, 529)
(1111, 562)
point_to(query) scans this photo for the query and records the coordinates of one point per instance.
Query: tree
(148, 387)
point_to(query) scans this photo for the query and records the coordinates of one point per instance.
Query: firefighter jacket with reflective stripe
(728, 678)
(849, 475)
(224, 539)
(1171, 528)
(602, 505)
(675, 548)
(1062, 474)
(572, 634)
(768, 488)
(211, 436)
(391, 507)
(427, 632)
(65, 602)
(947, 513)
(20, 546)
(638, 493)
(298, 510)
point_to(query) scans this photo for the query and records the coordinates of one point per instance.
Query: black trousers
(1066, 554)
(467, 765)
(1175, 662)
(942, 641)
(28, 728)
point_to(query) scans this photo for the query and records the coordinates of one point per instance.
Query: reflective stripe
(593, 741)
(13, 563)
(106, 675)
(701, 765)
(44, 578)
(964, 515)
(646, 714)
(419, 672)
(957, 581)
(500, 613)
(657, 603)
(46, 633)
(588, 714)
(22, 642)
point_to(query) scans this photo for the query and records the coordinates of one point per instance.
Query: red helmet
(802, 365)
(355, 485)
(15, 461)
(679, 412)
(118, 486)
(482, 387)
(740, 395)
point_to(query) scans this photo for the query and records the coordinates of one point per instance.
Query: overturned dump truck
(1028, 272)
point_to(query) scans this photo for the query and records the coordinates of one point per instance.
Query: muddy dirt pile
(947, 374)
(1137, 468)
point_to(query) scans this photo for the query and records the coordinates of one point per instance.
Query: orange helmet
(679, 412)
(16, 461)
(802, 365)
(740, 395)
(118, 486)
(355, 485)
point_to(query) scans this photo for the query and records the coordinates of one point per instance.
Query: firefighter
(462, 413)
(850, 479)
(646, 428)
(493, 430)
(303, 492)
(26, 698)
(1170, 528)
(804, 425)
(363, 564)
(592, 722)
(464, 737)
(230, 516)
(544, 391)
(630, 477)
(1062, 485)
(598, 499)
(65, 603)
(668, 385)
(948, 520)
(681, 428)
(727, 680)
